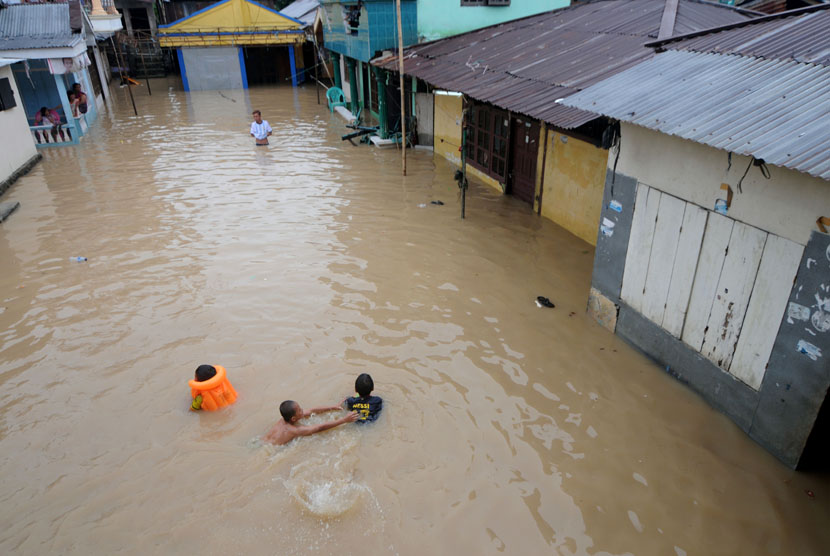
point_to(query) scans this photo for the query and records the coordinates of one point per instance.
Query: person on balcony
(73, 103)
(81, 96)
(49, 116)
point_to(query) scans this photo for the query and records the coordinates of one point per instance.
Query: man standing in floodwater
(287, 429)
(260, 129)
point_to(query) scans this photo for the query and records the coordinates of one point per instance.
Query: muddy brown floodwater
(506, 428)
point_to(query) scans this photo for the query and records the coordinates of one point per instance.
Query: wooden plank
(712, 255)
(779, 265)
(639, 246)
(683, 273)
(661, 262)
(732, 296)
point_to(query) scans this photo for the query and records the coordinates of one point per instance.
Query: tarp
(59, 66)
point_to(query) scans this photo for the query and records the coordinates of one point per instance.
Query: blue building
(356, 31)
(49, 45)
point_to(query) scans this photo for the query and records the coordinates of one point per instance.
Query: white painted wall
(786, 205)
(17, 145)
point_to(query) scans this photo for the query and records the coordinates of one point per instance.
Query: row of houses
(688, 142)
(46, 49)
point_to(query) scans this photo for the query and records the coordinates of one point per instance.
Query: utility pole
(403, 96)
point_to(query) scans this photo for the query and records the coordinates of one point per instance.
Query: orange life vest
(216, 391)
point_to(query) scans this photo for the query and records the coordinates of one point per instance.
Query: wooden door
(524, 150)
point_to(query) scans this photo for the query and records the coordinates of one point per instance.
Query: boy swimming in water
(288, 428)
(365, 404)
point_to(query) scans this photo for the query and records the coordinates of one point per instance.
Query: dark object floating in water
(544, 302)
(436, 202)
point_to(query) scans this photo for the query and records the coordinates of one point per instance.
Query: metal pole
(403, 96)
(120, 61)
(464, 116)
(316, 76)
(144, 66)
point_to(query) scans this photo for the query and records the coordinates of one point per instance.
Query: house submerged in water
(714, 253)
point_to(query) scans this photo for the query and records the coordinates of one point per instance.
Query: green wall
(444, 18)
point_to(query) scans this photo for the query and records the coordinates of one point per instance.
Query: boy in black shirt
(367, 406)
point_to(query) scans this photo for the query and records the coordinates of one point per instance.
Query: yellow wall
(448, 127)
(232, 19)
(574, 171)
(574, 181)
(447, 122)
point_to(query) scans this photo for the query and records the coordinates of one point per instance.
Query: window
(6, 95)
(351, 17)
(485, 2)
(487, 136)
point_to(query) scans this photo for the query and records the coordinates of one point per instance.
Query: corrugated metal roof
(800, 35)
(775, 110)
(526, 64)
(24, 26)
(304, 10)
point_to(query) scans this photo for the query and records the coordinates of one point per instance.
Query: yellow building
(567, 177)
(510, 80)
(234, 43)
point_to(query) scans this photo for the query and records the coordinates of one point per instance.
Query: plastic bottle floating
(213, 393)
(78, 259)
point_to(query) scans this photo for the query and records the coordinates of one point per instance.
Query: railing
(60, 135)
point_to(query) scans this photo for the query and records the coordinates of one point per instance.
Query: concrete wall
(212, 68)
(424, 113)
(786, 205)
(711, 296)
(17, 145)
(574, 180)
(444, 18)
(447, 127)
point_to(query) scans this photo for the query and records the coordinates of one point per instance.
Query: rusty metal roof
(527, 64)
(802, 35)
(774, 107)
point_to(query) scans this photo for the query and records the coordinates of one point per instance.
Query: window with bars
(485, 2)
(487, 136)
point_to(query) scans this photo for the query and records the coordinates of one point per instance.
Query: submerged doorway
(268, 65)
(524, 134)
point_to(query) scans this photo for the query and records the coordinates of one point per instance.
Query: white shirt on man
(260, 131)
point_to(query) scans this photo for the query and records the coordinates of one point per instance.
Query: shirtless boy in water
(287, 429)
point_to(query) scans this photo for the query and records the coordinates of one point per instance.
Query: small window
(351, 18)
(485, 2)
(7, 101)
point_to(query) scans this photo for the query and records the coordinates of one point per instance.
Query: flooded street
(506, 427)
